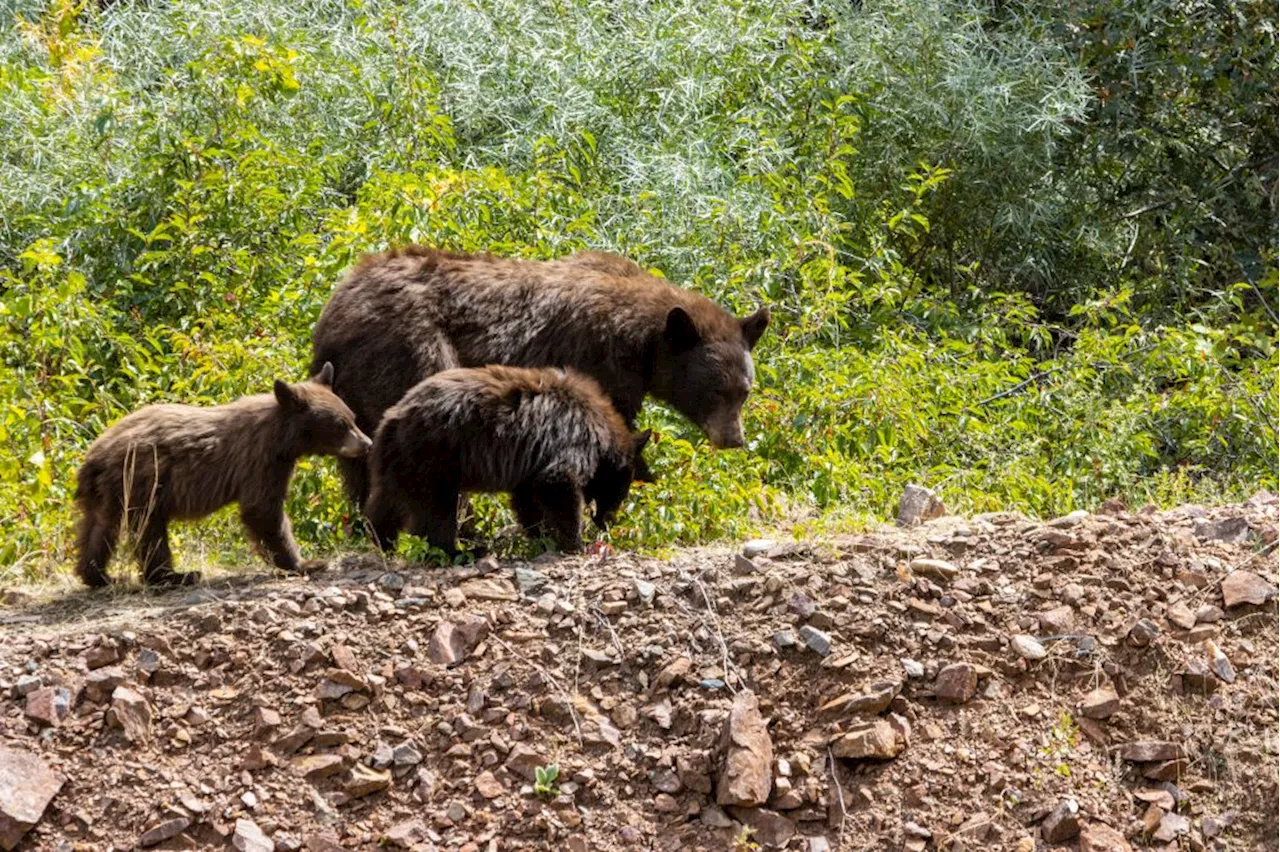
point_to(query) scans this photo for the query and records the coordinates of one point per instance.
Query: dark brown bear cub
(549, 437)
(181, 462)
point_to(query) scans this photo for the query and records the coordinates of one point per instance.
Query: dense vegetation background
(1022, 252)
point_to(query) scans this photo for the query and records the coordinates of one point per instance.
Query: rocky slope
(1100, 682)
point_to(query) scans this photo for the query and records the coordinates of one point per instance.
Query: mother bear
(406, 314)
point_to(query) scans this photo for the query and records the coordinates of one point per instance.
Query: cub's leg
(154, 556)
(99, 529)
(269, 530)
(436, 518)
(561, 504)
(383, 516)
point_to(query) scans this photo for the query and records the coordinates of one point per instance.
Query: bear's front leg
(269, 530)
(561, 504)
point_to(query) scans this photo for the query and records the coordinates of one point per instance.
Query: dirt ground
(1100, 682)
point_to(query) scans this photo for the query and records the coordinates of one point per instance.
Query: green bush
(918, 189)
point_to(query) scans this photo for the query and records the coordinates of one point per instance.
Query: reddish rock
(49, 705)
(1245, 587)
(27, 786)
(1063, 824)
(166, 830)
(1101, 703)
(772, 829)
(1095, 837)
(956, 683)
(131, 713)
(874, 740)
(1146, 751)
(746, 776)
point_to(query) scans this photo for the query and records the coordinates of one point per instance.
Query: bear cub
(183, 462)
(549, 437)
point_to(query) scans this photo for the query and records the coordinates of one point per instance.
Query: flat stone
(164, 831)
(489, 786)
(410, 834)
(1245, 587)
(1219, 663)
(873, 740)
(529, 580)
(1144, 632)
(816, 640)
(452, 642)
(27, 786)
(1181, 616)
(673, 674)
(1171, 827)
(1058, 620)
(956, 683)
(523, 761)
(876, 699)
(713, 816)
(1096, 837)
(785, 638)
(1146, 751)
(743, 567)
(315, 766)
(937, 568)
(746, 776)
(249, 838)
(1100, 703)
(488, 589)
(366, 780)
(757, 547)
(1230, 530)
(1063, 823)
(1027, 647)
(645, 590)
(772, 829)
(100, 683)
(912, 668)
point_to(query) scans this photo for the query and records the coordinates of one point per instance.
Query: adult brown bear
(401, 316)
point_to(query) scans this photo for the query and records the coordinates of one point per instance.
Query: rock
(48, 705)
(165, 830)
(816, 640)
(523, 761)
(746, 774)
(876, 699)
(912, 668)
(713, 816)
(877, 739)
(644, 590)
(976, 827)
(1063, 823)
(1171, 827)
(131, 713)
(1100, 703)
(406, 754)
(1230, 530)
(742, 566)
(1219, 663)
(673, 674)
(249, 838)
(365, 780)
(1148, 751)
(407, 835)
(100, 683)
(1095, 837)
(101, 655)
(315, 766)
(1057, 620)
(529, 580)
(451, 643)
(1209, 614)
(1181, 616)
(694, 772)
(490, 590)
(937, 568)
(802, 605)
(1245, 587)
(956, 683)
(1027, 647)
(344, 659)
(917, 505)
(489, 786)
(665, 780)
(27, 786)
(1144, 632)
(757, 547)
(772, 829)
(785, 638)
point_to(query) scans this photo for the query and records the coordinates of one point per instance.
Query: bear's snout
(356, 444)
(726, 435)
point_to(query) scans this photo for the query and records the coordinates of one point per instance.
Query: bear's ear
(753, 326)
(326, 375)
(286, 397)
(680, 332)
(638, 440)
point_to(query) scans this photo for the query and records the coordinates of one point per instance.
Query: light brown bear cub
(549, 437)
(182, 462)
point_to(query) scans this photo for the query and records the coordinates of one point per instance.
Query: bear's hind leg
(99, 530)
(561, 504)
(529, 514)
(384, 518)
(269, 529)
(155, 558)
(436, 519)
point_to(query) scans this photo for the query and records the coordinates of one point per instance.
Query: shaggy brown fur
(404, 315)
(175, 462)
(547, 436)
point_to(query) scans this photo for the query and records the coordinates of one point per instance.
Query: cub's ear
(680, 332)
(753, 326)
(326, 375)
(285, 395)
